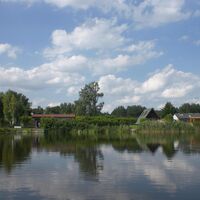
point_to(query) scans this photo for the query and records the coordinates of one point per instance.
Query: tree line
(169, 108)
(15, 106)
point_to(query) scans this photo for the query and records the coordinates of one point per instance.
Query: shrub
(85, 122)
(26, 121)
(168, 118)
(143, 120)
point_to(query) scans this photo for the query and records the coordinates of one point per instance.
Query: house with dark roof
(148, 114)
(187, 117)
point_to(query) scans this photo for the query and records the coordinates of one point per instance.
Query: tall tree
(189, 108)
(53, 110)
(38, 110)
(13, 108)
(89, 96)
(15, 105)
(1, 108)
(168, 109)
(67, 108)
(120, 111)
(135, 110)
(7, 108)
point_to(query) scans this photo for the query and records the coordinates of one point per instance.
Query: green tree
(53, 110)
(189, 108)
(63, 108)
(15, 105)
(7, 108)
(23, 106)
(1, 109)
(13, 108)
(168, 109)
(67, 108)
(120, 111)
(168, 118)
(135, 110)
(87, 104)
(38, 110)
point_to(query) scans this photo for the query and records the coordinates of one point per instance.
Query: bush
(26, 121)
(4, 123)
(85, 122)
(168, 118)
(94, 128)
(143, 120)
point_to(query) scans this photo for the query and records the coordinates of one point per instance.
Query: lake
(141, 168)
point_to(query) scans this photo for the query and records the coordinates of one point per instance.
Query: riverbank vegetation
(86, 122)
(163, 127)
(15, 109)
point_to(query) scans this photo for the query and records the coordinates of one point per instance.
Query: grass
(4, 131)
(158, 127)
(22, 131)
(134, 126)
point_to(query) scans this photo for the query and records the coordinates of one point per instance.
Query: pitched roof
(182, 115)
(144, 114)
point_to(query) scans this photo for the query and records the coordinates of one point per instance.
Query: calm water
(39, 168)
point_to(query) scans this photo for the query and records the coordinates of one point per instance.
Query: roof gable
(146, 113)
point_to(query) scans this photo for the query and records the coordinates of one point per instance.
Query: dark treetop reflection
(144, 168)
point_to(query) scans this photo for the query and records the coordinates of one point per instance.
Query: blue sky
(140, 52)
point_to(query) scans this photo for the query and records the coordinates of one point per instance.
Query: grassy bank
(7, 131)
(157, 127)
(86, 122)
(21, 131)
(93, 128)
(101, 127)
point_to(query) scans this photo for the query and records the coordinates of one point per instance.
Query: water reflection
(169, 150)
(128, 145)
(90, 161)
(88, 154)
(141, 168)
(14, 150)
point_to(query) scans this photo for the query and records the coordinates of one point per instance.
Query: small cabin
(37, 117)
(148, 114)
(187, 117)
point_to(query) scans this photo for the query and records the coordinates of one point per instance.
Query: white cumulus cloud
(166, 84)
(94, 34)
(109, 50)
(177, 92)
(153, 13)
(9, 50)
(148, 13)
(59, 73)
